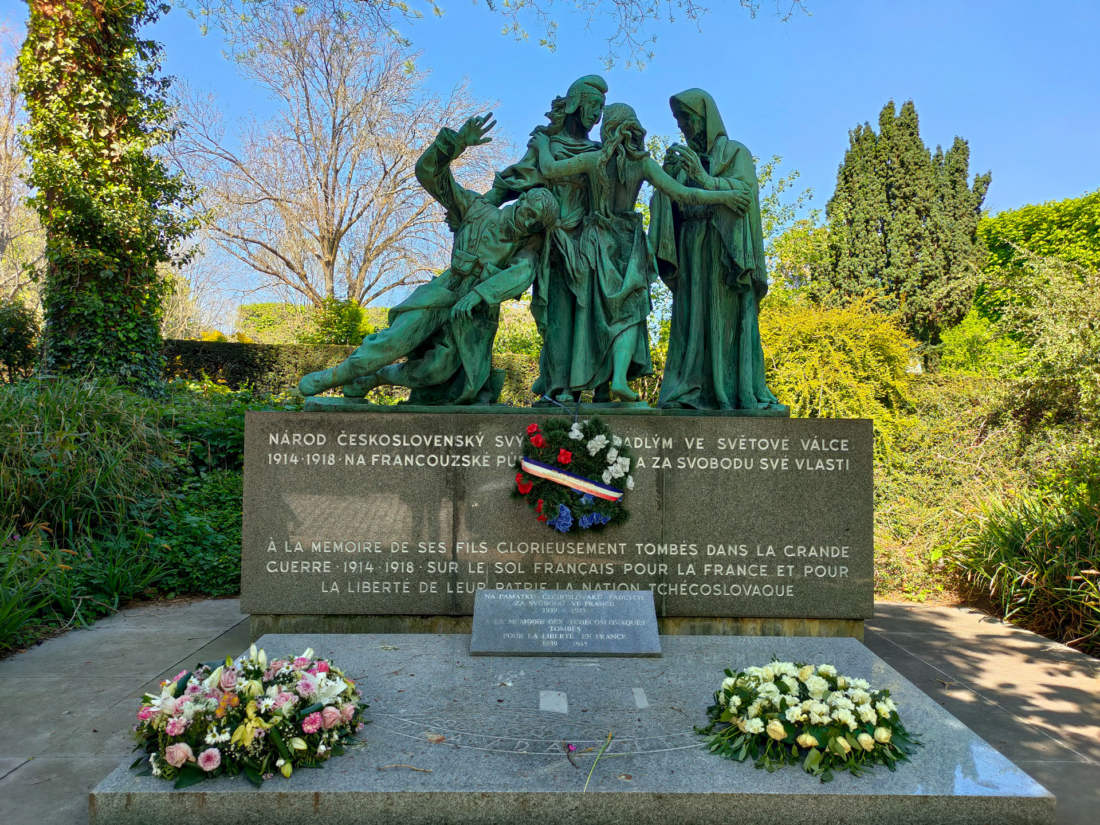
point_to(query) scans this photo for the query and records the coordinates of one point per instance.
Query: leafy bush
(263, 368)
(976, 346)
(79, 457)
(198, 538)
(1036, 555)
(839, 362)
(29, 564)
(18, 340)
(336, 322)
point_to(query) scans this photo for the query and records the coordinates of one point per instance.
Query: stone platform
(503, 722)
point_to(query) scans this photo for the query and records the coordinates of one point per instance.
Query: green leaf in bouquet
(137, 761)
(189, 775)
(827, 776)
(181, 683)
(277, 738)
(253, 776)
(813, 760)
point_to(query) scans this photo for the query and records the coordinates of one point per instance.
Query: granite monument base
(455, 739)
(260, 624)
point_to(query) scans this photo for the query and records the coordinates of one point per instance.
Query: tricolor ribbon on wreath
(566, 479)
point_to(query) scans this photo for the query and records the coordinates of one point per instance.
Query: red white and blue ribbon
(566, 479)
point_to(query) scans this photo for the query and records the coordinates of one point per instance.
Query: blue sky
(1016, 78)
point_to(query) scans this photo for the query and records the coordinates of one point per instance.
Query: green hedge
(265, 368)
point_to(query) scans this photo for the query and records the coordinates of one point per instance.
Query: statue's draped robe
(562, 278)
(713, 262)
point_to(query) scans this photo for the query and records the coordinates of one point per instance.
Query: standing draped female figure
(712, 258)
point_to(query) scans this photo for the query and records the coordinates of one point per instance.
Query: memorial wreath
(247, 716)
(785, 713)
(575, 475)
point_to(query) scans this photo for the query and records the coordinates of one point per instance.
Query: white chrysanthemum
(597, 444)
(826, 670)
(767, 674)
(616, 441)
(769, 691)
(795, 714)
(859, 684)
(885, 708)
(867, 714)
(860, 697)
(806, 672)
(754, 709)
(624, 464)
(728, 683)
(819, 713)
(754, 671)
(575, 432)
(839, 700)
(607, 477)
(754, 726)
(734, 702)
(612, 455)
(845, 717)
(785, 668)
(790, 682)
(630, 482)
(817, 687)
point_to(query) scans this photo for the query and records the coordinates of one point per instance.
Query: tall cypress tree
(903, 224)
(110, 209)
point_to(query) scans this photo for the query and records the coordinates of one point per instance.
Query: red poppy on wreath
(524, 487)
(538, 506)
(538, 441)
(532, 429)
(564, 456)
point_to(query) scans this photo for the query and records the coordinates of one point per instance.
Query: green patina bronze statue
(574, 236)
(712, 258)
(445, 329)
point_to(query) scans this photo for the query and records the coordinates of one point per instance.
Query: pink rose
(346, 712)
(330, 716)
(228, 680)
(210, 759)
(175, 726)
(193, 688)
(178, 754)
(282, 698)
(322, 667)
(146, 712)
(312, 723)
(307, 686)
(301, 661)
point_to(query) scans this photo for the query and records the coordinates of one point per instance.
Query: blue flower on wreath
(563, 521)
(592, 520)
(586, 500)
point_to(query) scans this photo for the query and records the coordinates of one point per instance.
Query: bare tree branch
(323, 197)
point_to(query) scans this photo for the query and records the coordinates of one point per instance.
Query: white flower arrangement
(809, 714)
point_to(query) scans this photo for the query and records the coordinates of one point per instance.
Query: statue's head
(621, 124)
(585, 99)
(697, 116)
(536, 209)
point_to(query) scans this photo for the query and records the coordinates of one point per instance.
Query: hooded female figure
(609, 341)
(712, 258)
(560, 279)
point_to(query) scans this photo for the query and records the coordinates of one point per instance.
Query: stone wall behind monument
(409, 514)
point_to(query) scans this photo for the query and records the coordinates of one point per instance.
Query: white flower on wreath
(612, 455)
(785, 668)
(845, 717)
(734, 701)
(867, 714)
(795, 714)
(616, 441)
(630, 482)
(624, 465)
(575, 432)
(806, 672)
(597, 444)
(754, 725)
(819, 713)
(826, 670)
(859, 684)
(859, 696)
(791, 683)
(606, 476)
(728, 683)
(885, 708)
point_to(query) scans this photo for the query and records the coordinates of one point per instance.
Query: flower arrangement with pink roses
(250, 716)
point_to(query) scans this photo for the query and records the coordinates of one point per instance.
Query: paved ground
(66, 706)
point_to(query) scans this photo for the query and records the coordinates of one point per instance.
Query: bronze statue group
(562, 222)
